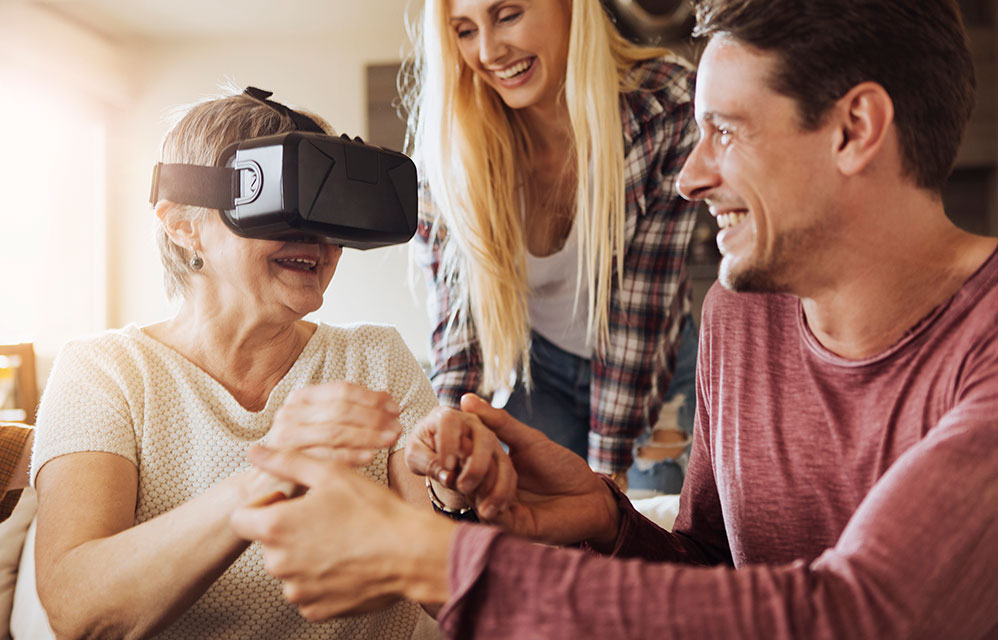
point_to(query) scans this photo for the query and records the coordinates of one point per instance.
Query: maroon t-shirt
(830, 498)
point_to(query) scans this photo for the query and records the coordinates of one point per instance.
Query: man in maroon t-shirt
(843, 481)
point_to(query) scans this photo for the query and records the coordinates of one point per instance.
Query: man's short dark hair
(916, 49)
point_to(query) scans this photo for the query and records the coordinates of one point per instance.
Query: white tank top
(554, 311)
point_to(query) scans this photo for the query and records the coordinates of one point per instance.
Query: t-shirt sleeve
(84, 407)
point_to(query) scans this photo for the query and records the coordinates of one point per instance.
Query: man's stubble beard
(774, 274)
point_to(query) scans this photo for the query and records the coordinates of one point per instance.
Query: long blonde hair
(469, 145)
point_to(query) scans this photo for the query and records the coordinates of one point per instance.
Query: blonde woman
(551, 231)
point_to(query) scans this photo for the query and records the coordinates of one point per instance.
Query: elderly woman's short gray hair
(200, 134)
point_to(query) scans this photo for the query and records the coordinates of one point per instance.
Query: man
(844, 475)
(15, 458)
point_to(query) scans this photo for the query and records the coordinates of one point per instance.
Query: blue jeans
(667, 476)
(558, 404)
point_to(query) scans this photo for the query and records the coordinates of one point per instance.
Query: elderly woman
(142, 433)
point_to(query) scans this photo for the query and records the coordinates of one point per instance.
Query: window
(52, 222)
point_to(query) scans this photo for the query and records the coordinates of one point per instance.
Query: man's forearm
(423, 566)
(892, 559)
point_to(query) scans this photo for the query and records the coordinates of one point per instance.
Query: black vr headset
(303, 186)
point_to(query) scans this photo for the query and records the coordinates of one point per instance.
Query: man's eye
(723, 137)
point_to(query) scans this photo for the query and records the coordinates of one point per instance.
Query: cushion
(661, 510)
(12, 533)
(27, 618)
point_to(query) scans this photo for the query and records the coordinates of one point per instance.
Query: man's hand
(559, 500)
(464, 460)
(348, 545)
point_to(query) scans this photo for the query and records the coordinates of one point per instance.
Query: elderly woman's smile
(298, 263)
(243, 278)
(306, 257)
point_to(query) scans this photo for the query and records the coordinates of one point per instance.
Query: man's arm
(919, 558)
(15, 459)
(561, 501)
(348, 545)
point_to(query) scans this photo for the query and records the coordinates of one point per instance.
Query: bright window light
(52, 221)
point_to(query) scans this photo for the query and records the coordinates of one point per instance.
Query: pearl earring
(196, 262)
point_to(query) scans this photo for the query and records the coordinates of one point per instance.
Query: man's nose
(699, 174)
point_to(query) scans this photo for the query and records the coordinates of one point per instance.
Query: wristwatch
(465, 514)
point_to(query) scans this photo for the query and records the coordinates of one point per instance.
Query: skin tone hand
(559, 500)
(338, 420)
(348, 545)
(464, 460)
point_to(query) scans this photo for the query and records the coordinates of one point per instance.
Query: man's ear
(178, 227)
(864, 116)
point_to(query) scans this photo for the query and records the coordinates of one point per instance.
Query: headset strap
(215, 187)
(302, 122)
(211, 187)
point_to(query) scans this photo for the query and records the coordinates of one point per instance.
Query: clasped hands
(538, 490)
(349, 545)
(334, 421)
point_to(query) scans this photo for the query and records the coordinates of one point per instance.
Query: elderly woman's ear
(179, 227)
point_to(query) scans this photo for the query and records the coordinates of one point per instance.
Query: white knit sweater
(125, 393)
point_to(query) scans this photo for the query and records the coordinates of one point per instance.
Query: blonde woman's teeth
(513, 70)
(725, 220)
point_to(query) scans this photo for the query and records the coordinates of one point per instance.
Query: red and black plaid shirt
(630, 379)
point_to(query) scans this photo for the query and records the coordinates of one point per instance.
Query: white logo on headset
(250, 181)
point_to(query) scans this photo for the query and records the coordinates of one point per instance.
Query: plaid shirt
(630, 379)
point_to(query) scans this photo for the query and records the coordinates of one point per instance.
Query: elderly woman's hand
(337, 420)
(464, 460)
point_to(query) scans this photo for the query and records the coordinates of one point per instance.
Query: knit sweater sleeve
(85, 406)
(409, 386)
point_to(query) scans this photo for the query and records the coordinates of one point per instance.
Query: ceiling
(122, 20)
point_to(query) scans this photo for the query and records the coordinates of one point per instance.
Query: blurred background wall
(85, 88)
(78, 257)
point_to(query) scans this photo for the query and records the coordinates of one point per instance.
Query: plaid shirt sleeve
(456, 360)
(13, 439)
(630, 377)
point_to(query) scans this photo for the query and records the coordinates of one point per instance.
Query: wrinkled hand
(559, 500)
(337, 420)
(348, 545)
(464, 460)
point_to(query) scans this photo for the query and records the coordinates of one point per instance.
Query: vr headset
(302, 186)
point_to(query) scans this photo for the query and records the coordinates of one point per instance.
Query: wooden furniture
(20, 358)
